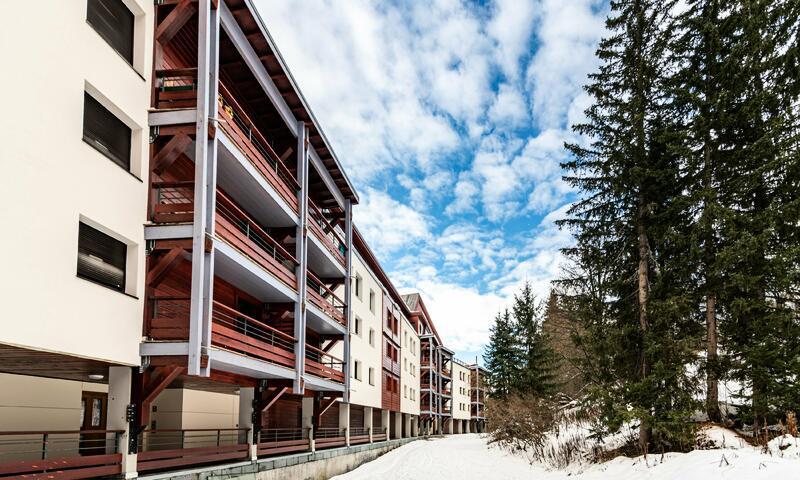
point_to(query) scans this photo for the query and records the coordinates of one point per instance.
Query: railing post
(218, 434)
(44, 444)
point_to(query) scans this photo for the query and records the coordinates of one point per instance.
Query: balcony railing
(274, 441)
(238, 126)
(165, 449)
(172, 202)
(235, 331)
(322, 364)
(176, 88)
(325, 299)
(240, 231)
(60, 454)
(326, 233)
(328, 437)
(231, 330)
(359, 435)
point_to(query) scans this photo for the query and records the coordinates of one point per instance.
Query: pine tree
(630, 213)
(559, 332)
(501, 356)
(537, 361)
(760, 223)
(699, 105)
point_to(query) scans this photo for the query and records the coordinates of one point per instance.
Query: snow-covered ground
(467, 457)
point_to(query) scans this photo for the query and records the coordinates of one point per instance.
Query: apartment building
(461, 397)
(201, 293)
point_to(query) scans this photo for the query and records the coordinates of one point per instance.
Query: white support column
(204, 188)
(308, 420)
(344, 421)
(246, 397)
(398, 425)
(301, 253)
(119, 396)
(468, 426)
(348, 234)
(368, 421)
(385, 417)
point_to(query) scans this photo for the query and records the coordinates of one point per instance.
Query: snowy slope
(467, 457)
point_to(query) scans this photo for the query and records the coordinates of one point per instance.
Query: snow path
(467, 457)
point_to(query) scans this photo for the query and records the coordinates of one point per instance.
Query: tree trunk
(712, 385)
(645, 431)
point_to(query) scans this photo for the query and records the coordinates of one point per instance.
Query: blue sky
(450, 118)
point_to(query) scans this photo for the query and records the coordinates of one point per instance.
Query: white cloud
(387, 224)
(509, 107)
(568, 37)
(462, 315)
(511, 27)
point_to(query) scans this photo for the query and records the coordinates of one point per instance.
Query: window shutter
(101, 258)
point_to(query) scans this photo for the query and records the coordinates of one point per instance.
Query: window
(405, 339)
(114, 22)
(372, 337)
(371, 300)
(106, 133)
(405, 391)
(405, 364)
(101, 258)
(357, 370)
(358, 286)
(357, 326)
(371, 374)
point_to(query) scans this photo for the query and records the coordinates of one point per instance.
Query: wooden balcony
(173, 202)
(177, 89)
(324, 365)
(325, 299)
(325, 232)
(241, 130)
(70, 454)
(359, 435)
(240, 231)
(230, 330)
(170, 449)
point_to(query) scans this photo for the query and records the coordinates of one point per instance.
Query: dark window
(106, 133)
(114, 22)
(101, 258)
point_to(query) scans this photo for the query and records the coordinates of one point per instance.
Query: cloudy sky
(450, 117)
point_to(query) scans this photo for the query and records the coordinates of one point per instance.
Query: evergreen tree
(631, 212)
(761, 218)
(501, 356)
(537, 361)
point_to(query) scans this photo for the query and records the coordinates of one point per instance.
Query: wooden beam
(160, 383)
(165, 157)
(286, 154)
(164, 265)
(176, 19)
(273, 397)
(324, 405)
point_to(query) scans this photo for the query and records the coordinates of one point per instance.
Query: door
(94, 407)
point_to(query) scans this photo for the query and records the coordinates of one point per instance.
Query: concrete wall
(461, 399)
(187, 409)
(54, 179)
(410, 371)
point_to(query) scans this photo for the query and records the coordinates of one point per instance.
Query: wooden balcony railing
(328, 437)
(359, 435)
(235, 331)
(274, 441)
(176, 88)
(325, 299)
(60, 454)
(230, 330)
(322, 364)
(445, 372)
(379, 435)
(236, 228)
(326, 233)
(172, 202)
(241, 130)
(165, 449)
